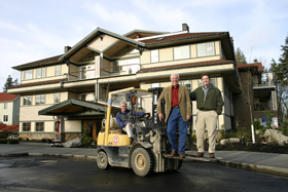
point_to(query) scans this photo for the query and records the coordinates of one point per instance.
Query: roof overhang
(73, 107)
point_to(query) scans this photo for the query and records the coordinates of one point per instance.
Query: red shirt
(175, 96)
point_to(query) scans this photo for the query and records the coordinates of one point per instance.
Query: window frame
(27, 72)
(25, 100)
(205, 48)
(41, 128)
(26, 125)
(40, 99)
(181, 56)
(40, 73)
(58, 70)
(155, 57)
(5, 118)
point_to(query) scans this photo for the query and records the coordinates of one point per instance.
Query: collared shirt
(205, 89)
(175, 96)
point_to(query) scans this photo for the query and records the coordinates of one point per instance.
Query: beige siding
(50, 74)
(166, 54)
(101, 44)
(145, 57)
(30, 113)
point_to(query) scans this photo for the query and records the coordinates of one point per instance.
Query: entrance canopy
(73, 107)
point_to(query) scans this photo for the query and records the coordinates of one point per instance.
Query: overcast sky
(37, 29)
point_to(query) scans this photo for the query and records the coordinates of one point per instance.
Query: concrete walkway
(271, 163)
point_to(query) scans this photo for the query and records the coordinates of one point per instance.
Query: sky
(32, 29)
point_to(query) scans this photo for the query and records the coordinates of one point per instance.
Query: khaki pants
(206, 119)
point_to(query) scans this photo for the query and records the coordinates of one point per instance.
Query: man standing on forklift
(124, 119)
(178, 112)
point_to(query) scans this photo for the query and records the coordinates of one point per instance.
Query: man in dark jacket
(124, 119)
(209, 105)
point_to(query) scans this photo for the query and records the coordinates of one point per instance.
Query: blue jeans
(175, 119)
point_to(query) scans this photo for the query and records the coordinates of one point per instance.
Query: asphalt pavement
(271, 163)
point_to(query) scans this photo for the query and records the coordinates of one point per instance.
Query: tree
(240, 57)
(280, 71)
(9, 83)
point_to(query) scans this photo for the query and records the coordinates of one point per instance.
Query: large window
(154, 56)
(5, 118)
(28, 74)
(26, 126)
(39, 126)
(205, 49)
(40, 73)
(56, 97)
(40, 99)
(182, 52)
(58, 70)
(27, 100)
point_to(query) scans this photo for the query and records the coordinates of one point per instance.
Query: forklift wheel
(102, 160)
(141, 162)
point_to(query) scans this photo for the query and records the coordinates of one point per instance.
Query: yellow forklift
(146, 153)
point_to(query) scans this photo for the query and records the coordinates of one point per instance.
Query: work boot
(199, 154)
(182, 155)
(211, 155)
(172, 154)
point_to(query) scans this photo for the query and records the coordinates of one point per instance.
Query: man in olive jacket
(209, 105)
(177, 112)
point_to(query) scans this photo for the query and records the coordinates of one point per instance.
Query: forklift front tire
(102, 160)
(141, 162)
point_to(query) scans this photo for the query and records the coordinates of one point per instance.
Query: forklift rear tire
(102, 160)
(141, 162)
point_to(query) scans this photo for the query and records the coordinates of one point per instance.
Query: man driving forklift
(125, 120)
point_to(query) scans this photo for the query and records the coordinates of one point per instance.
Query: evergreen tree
(280, 71)
(240, 57)
(9, 83)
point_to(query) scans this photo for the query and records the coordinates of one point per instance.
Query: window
(58, 70)
(27, 100)
(28, 74)
(26, 126)
(131, 65)
(5, 105)
(154, 56)
(5, 118)
(205, 49)
(181, 52)
(40, 72)
(40, 99)
(39, 126)
(57, 97)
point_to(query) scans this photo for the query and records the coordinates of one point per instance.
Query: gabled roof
(40, 63)
(7, 97)
(93, 35)
(72, 107)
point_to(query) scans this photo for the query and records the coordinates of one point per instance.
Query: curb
(257, 168)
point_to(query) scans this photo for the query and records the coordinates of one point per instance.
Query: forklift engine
(146, 153)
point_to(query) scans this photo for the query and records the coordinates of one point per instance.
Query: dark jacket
(123, 118)
(213, 100)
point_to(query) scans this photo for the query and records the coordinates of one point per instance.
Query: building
(258, 100)
(9, 109)
(66, 94)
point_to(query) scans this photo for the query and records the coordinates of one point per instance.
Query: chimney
(66, 49)
(185, 27)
